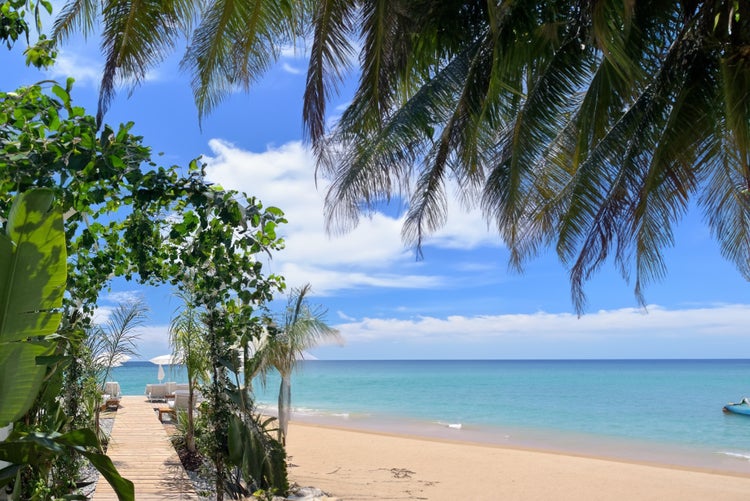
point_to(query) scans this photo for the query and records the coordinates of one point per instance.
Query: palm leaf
(235, 44)
(136, 36)
(330, 53)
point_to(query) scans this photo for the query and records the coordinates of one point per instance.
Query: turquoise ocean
(662, 411)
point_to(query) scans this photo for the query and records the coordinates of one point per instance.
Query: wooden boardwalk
(141, 451)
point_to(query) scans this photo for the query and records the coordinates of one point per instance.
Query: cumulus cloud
(86, 71)
(373, 254)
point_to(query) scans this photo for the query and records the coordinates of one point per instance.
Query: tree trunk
(285, 399)
(190, 432)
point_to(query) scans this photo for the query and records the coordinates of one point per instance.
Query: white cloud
(86, 71)
(291, 69)
(102, 314)
(153, 341)
(371, 255)
(344, 316)
(705, 332)
(656, 322)
(124, 297)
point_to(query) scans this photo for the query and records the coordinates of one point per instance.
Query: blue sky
(460, 301)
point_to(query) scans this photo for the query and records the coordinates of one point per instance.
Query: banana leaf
(33, 272)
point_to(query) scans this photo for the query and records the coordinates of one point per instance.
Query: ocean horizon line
(655, 359)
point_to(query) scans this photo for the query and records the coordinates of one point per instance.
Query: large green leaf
(20, 377)
(39, 447)
(33, 267)
(33, 271)
(83, 441)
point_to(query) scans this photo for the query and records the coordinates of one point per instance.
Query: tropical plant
(187, 335)
(14, 26)
(114, 342)
(587, 126)
(214, 253)
(258, 456)
(302, 327)
(232, 43)
(32, 284)
(590, 126)
(119, 209)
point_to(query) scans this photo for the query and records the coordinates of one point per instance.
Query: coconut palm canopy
(587, 126)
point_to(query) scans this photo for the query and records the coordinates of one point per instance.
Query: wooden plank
(140, 449)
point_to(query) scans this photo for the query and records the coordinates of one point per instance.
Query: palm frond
(75, 15)
(235, 44)
(647, 179)
(136, 36)
(726, 194)
(331, 51)
(428, 204)
(115, 340)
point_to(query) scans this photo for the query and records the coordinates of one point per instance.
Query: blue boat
(741, 407)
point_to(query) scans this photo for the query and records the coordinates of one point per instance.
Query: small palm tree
(187, 335)
(114, 342)
(303, 328)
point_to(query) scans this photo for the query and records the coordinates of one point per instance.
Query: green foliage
(119, 205)
(188, 337)
(32, 283)
(589, 127)
(231, 44)
(256, 453)
(120, 220)
(35, 448)
(303, 327)
(14, 25)
(225, 281)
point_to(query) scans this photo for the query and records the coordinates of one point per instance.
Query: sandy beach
(354, 465)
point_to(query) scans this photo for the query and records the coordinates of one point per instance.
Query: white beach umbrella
(168, 359)
(117, 361)
(161, 360)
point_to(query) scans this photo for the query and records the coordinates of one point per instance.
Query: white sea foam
(455, 426)
(738, 455)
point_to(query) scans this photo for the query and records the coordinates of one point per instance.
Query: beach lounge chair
(170, 388)
(156, 392)
(111, 395)
(180, 403)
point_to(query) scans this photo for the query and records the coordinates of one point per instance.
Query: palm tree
(187, 335)
(586, 125)
(230, 44)
(303, 327)
(114, 342)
